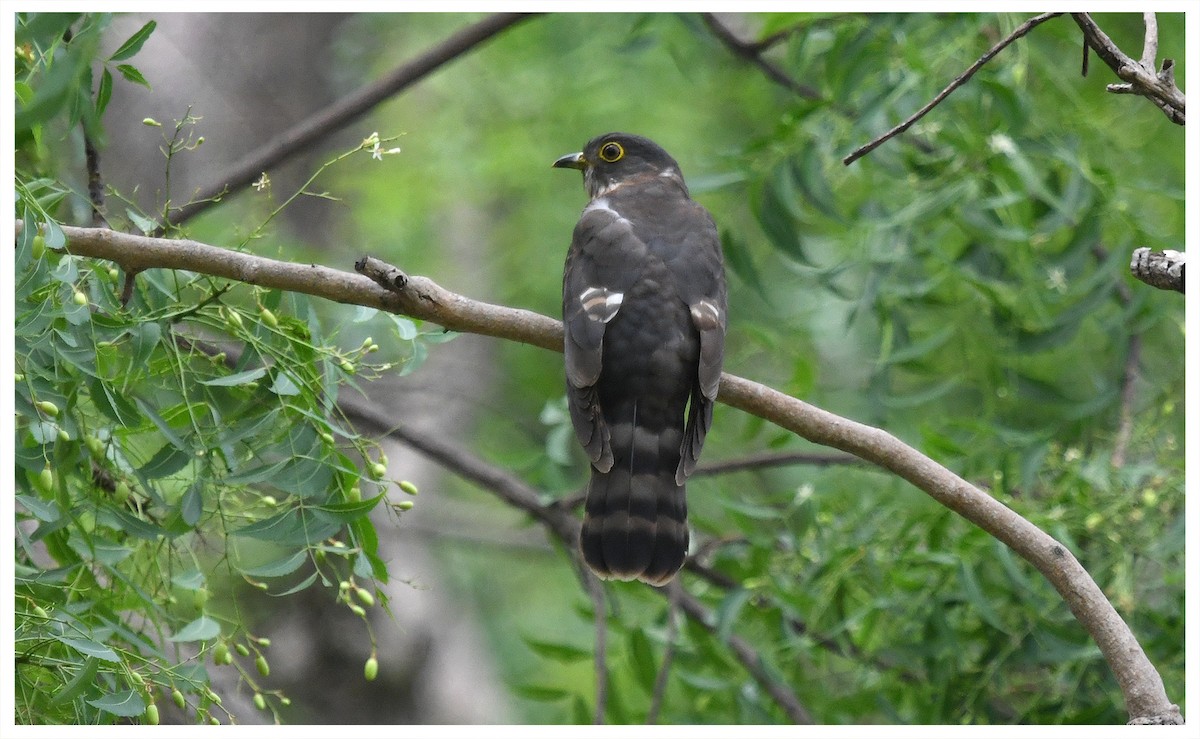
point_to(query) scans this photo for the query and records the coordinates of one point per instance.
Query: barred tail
(635, 521)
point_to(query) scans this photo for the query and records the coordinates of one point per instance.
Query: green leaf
(167, 461)
(290, 528)
(133, 44)
(558, 652)
(302, 585)
(739, 259)
(727, 612)
(144, 224)
(127, 704)
(974, 595)
(132, 74)
(115, 406)
(775, 217)
(349, 511)
(82, 679)
(241, 378)
(279, 567)
(104, 94)
(173, 437)
(42, 510)
(192, 504)
(90, 648)
(190, 580)
(641, 658)
(284, 385)
(202, 629)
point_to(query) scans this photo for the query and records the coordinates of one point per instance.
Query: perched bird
(644, 312)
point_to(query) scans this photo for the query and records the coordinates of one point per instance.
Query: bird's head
(613, 159)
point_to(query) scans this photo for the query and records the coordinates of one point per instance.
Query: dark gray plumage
(644, 303)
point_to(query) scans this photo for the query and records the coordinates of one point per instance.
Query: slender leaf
(133, 44)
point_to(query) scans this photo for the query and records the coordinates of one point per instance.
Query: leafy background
(963, 286)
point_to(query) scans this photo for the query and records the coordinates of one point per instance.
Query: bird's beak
(571, 161)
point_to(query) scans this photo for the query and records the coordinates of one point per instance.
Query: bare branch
(764, 460)
(752, 53)
(1150, 44)
(1145, 695)
(959, 81)
(1139, 76)
(337, 115)
(1162, 269)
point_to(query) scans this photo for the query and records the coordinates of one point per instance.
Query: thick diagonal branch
(1145, 695)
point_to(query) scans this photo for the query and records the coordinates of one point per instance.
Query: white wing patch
(706, 316)
(600, 304)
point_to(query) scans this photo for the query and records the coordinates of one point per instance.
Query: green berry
(371, 668)
(242, 649)
(408, 487)
(221, 655)
(268, 318)
(260, 663)
(378, 470)
(94, 445)
(152, 714)
(39, 246)
(365, 596)
(79, 297)
(259, 702)
(44, 481)
(47, 407)
(178, 698)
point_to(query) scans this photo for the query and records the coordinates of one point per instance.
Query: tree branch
(1142, 687)
(335, 116)
(1139, 76)
(1162, 269)
(959, 81)
(753, 53)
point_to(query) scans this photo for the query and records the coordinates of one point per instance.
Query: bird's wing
(700, 280)
(603, 263)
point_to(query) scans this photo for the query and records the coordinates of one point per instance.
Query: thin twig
(753, 53)
(763, 460)
(1017, 33)
(664, 670)
(337, 115)
(95, 181)
(1142, 686)
(1150, 44)
(600, 620)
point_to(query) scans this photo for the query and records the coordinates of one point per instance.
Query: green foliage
(167, 447)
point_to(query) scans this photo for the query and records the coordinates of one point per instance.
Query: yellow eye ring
(611, 152)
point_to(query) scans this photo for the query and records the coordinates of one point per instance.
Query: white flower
(262, 183)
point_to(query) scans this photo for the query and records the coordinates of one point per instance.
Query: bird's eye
(611, 152)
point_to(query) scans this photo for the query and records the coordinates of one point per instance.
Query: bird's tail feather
(635, 521)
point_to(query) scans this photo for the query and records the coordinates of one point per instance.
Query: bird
(644, 315)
